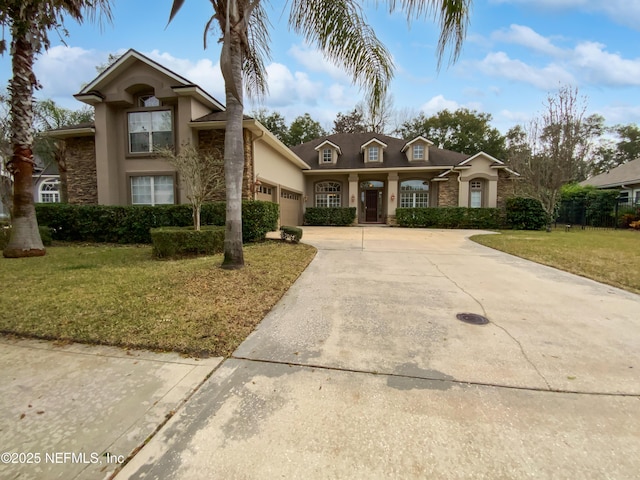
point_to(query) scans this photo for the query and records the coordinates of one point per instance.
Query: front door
(371, 204)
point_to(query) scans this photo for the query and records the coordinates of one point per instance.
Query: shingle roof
(627, 173)
(353, 158)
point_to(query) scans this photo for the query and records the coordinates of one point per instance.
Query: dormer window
(418, 152)
(327, 155)
(373, 151)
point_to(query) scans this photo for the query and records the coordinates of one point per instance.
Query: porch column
(392, 191)
(353, 194)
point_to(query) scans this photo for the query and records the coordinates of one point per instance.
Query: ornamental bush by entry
(450, 217)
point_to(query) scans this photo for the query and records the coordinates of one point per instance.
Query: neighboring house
(5, 191)
(625, 177)
(46, 183)
(377, 174)
(141, 106)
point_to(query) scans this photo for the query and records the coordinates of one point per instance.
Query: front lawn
(118, 295)
(608, 256)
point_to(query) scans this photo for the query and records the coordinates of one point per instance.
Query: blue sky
(516, 53)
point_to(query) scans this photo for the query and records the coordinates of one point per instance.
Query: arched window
(328, 194)
(150, 127)
(49, 191)
(414, 194)
(476, 193)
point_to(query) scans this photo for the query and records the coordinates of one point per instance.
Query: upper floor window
(475, 195)
(150, 131)
(418, 152)
(374, 154)
(414, 194)
(49, 191)
(327, 155)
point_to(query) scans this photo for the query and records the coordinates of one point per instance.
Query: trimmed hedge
(329, 216)
(292, 234)
(5, 233)
(525, 214)
(450, 217)
(177, 242)
(132, 224)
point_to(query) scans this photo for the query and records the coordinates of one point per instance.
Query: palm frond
(339, 30)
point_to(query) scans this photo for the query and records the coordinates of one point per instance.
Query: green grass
(119, 295)
(608, 256)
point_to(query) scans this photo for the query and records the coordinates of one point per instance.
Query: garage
(265, 193)
(290, 208)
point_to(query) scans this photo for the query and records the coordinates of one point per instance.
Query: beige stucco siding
(272, 167)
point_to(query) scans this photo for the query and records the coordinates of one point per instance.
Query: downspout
(253, 159)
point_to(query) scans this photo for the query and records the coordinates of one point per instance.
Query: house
(625, 177)
(141, 106)
(377, 174)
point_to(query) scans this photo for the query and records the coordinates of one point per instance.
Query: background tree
(5, 154)
(352, 45)
(622, 148)
(303, 129)
(29, 23)
(49, 116)
(202, 173)
(463, 130)
(350, 122)
(551, 151)
(274, 122)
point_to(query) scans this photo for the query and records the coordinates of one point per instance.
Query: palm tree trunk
(25, 237)
(231, 63)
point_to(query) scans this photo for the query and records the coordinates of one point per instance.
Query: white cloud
(63, 70)
(527, 37)
(439, 103)
(499, 64)
(602, 67)
(286, 88)
(314, 61)
(202, 72)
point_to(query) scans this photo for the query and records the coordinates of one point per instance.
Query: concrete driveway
(362, 370)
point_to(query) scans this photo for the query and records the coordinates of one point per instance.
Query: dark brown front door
(372, 206)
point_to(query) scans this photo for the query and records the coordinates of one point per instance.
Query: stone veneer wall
(82, 184)
(448, 193)
(212, 141)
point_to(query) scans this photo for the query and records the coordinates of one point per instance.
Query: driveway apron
(363, 370)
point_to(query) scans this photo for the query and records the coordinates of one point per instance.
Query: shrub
(5, 233)
(525, 214)
(329, 216)
(450, 217)
(292, 234)
(177, 242)
(258, 218)
(132, 224)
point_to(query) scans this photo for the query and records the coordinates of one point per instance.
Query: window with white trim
(327, 155)
(49, 191)
(475, 193)
(150, 131)
(414, 194)
(152, 190)
(418, 152)
(328, 194)
(374, 154)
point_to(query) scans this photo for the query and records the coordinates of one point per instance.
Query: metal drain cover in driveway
(472, 318)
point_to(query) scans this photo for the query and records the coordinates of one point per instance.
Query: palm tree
(29, 22)
(338, 29)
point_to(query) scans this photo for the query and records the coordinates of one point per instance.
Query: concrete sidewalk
(78, 411)
(363, 371)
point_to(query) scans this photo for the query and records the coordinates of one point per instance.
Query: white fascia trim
(482, 154)
(369, 171)
(333, 145)
(196, 92)
(418, 138)
(379, 142)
